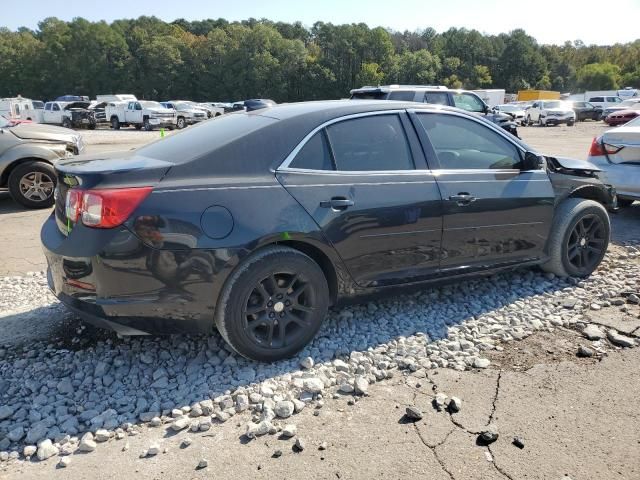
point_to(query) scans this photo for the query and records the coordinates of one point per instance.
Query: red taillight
(104, 208)
(596, 148)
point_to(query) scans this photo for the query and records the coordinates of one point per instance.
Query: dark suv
(440, 95)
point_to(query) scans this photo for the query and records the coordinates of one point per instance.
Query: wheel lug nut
(281, 314)
(287, 303)
(271, 315)
(270, 304)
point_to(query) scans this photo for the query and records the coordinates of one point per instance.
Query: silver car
(28, 153)
(617, 154)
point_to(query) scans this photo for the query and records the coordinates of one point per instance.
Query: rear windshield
(373, 95)
(204, 138)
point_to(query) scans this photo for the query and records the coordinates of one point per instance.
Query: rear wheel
(32, 184)
(579, 238)
(273, 304)
(181, 123)
(571, 123)
(528, 121)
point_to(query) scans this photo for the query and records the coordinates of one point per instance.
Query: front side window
(56, 108)
(438, 98)
(464, 144)
(468, 102)
(615, 100)
(314, 155)
(372, 143)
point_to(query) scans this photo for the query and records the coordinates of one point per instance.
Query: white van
(603, 101)
(12, 108)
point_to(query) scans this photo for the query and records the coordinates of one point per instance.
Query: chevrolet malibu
(255, 223)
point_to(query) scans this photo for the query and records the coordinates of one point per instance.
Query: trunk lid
(629, 139)
(114, 170)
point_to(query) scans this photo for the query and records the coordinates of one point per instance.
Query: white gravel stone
(180, 423)
(313, 385)
(46, 449)
(64, 462)
(620, 340)
(284, 409)
(29, 450)
(361, 385)
(87, 443)
(102, 435)
(593, 332)
(481, 362)
(307, 363)
(289, 430)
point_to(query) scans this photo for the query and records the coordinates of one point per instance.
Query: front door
(494, 213)
(364, 181)
(134, 112)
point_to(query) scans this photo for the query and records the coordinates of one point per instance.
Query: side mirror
(531, 161)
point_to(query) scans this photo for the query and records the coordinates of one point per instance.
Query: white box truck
(492, 96)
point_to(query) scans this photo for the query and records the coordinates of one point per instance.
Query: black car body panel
(223, 189)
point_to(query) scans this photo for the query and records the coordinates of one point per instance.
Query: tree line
(217, 60)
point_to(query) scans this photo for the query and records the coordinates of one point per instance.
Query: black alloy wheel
(587, 243)
(278, 308)
(273, 304)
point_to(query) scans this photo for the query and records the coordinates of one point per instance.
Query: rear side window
(372, 143)
(47, 107)
(463, 144)
(439, 98)
(404, 96)
(369, 96)
(315, 154)
(596, 99)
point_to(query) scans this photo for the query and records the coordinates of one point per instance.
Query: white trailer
(13, 107)
(492, 96)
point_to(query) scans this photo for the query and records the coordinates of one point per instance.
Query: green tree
(598, 76)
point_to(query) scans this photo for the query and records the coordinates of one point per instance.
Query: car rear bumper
(113, 280)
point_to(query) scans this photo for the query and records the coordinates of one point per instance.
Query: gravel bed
(88, 386)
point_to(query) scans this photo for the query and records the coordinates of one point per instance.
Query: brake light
(596, 148)
(104, 208)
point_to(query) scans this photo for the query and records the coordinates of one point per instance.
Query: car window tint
(439, 98)
(315, 154)
(404, 96)
(56, 108)
(372, 143)
(468, 102)
(461, 144)
(47, 107)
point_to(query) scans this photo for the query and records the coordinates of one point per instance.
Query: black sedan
(256, 222)
(586, 111)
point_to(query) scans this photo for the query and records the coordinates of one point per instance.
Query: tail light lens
(596, 148)
(104, 208)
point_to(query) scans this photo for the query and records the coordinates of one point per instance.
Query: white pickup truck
(141, 114)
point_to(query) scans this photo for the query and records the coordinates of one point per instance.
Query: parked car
(621, 117)
(617, 153)
(346, 197)
(186, 114)
(628, 104)
(69, 114)
(14, 106)
(586, 111)
(516, 112)
(33, 112)
(28, 152)
(604, 101)
(212, 110)
(550, 112)
(141, 114)
(72, 98)
(440, 95)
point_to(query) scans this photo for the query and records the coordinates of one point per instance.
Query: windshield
(183, 106)
(148, 104)
(4, 123)
(555, 104)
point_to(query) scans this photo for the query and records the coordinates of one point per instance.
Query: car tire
(571, 124)
(92, 126)
(66, 123)
(541, 123)
(528, 121)
(260, 292)
(147, 126)
(38, 173)
(115, 123)
(181, 123)
(137, 126)
(579, 238)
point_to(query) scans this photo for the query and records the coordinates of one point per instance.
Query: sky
(549, 21)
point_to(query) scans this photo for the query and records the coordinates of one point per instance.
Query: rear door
(364, 180)
(493, 213)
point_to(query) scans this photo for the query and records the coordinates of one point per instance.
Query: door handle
(337, 203)
(462, 198)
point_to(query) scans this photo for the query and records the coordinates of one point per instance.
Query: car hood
(558, 110)
(498, 117)
(160, 110)
(37, 131)
(574, 164)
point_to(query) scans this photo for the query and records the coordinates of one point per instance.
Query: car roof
(396, 87)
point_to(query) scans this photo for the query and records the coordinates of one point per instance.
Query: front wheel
(66, 122)
(147, 126)
(528, 121)
(541, 122)
(32, 184)
(579, 238)
(273, 304)
(181, 123)
(570, 123)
